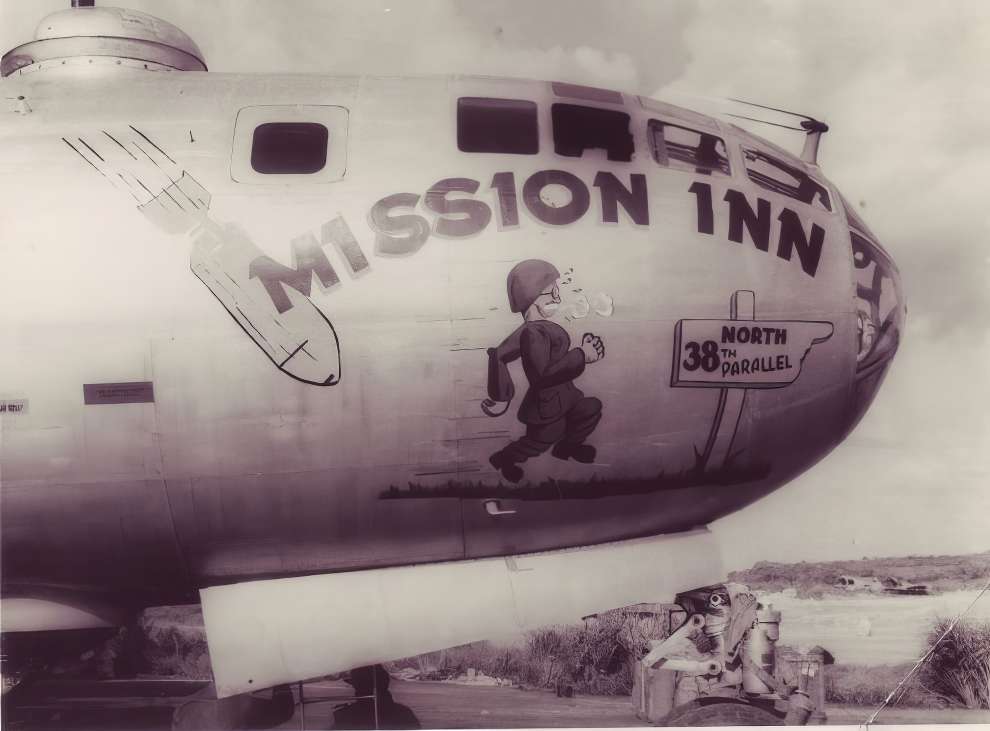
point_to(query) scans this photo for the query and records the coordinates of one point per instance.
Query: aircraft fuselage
(220, 364)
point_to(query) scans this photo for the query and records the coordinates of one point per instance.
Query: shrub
(959, 668)
(590, 659)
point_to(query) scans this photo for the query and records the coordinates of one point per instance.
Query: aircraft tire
(720, 712)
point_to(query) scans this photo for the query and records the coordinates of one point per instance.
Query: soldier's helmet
(527, 280)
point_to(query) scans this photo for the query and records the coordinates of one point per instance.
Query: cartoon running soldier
(555, 412)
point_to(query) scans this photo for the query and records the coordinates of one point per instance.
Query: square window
(289, 148)
(577, 128)
(507, 126)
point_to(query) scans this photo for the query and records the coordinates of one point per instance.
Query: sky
(901, 84)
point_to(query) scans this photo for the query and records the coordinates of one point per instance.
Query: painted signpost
(738, 354)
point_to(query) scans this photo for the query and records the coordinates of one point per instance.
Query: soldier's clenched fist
(593, 347)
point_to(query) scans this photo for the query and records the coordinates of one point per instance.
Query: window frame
(824, 201)
(653, 122)
(334, 118)
(594, 94)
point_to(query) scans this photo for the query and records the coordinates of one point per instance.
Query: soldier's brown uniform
(554, 410)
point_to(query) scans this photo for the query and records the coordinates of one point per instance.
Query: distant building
(888, 584)
(860, 583)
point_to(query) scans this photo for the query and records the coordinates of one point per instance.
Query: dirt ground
(437, 705)
(446, 705)
(857, 715)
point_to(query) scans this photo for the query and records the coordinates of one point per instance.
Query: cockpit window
(855, 220)
(681, 148)
(578, 128)
(880, 307)
(773, 174)
(508, 126)
(289, 148)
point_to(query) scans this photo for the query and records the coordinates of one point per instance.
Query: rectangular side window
(289, 148)
(681, 148)
(508, 126)
(773, 174)
(578, 128)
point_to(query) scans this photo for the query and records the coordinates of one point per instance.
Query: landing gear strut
(718, 667)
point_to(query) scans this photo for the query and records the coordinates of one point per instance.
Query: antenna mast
(813, 128)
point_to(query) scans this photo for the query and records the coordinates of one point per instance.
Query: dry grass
(589, 659)
(959, 670)
(815, 579)
(957, 674)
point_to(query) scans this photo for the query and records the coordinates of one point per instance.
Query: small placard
(743, 353)
(13, 406)
(136, 392)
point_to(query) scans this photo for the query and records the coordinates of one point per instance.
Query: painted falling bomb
(300, 341)
(298, 338)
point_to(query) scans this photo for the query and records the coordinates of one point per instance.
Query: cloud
(581, 41)
(391, 38)
(901, 85)
(643, 33)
